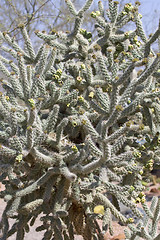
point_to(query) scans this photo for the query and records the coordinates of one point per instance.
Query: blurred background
(53, 15)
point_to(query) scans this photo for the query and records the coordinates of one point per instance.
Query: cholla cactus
(148, 226)
(79, 126)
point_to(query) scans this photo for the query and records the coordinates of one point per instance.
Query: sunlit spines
(13, 44)
(71, 7)
(52, 118)
(27, 41)
(23, 75)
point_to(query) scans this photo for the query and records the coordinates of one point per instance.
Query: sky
(150, 10)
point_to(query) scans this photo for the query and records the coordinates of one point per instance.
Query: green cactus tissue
(79, 127)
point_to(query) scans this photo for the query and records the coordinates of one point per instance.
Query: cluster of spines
(108, 95)
(147, 228)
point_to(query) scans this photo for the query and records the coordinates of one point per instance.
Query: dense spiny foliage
(79, 127)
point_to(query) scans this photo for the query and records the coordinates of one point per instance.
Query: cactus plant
(79, 126)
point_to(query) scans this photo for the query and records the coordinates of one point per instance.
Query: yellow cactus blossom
(99, 209)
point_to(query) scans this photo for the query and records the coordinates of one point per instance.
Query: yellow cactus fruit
(99, 209)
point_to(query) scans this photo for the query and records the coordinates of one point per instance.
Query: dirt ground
(153, 190)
